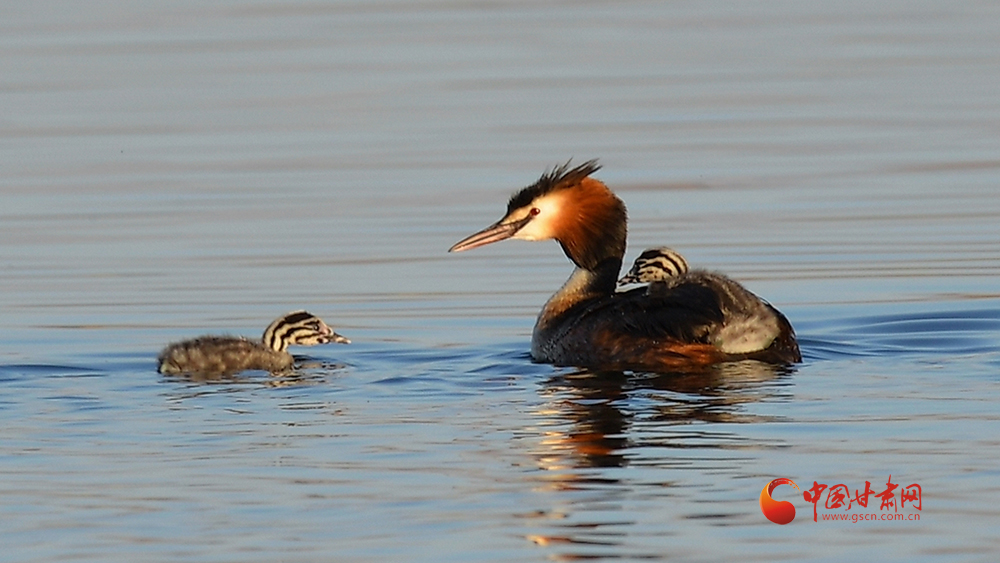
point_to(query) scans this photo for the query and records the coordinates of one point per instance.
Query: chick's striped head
(299, 328)
(654, 265)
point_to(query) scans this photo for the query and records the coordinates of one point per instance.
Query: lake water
(175, 169)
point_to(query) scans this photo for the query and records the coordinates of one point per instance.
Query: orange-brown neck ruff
(592, 226)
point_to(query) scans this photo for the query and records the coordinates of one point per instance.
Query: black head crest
(558, 177)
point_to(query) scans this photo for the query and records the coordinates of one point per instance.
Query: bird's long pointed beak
(495, 232)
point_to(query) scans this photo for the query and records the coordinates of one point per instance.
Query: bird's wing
(685, 312)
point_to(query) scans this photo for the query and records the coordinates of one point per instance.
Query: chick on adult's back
(227, 355)
(749, 324)
(655, 265)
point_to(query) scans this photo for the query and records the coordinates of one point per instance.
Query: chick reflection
(592, 414)
(305, 372)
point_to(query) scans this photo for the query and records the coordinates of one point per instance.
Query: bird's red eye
(534, 211)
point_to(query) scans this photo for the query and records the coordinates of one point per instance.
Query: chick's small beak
(628, 278)
(334, 337)
(494, 233)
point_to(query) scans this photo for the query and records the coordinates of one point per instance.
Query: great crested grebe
(227, 355)
(697, 320)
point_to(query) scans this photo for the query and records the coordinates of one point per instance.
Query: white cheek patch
(542, 225)
(530, 232)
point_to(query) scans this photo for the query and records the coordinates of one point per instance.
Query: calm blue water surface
(171, 170)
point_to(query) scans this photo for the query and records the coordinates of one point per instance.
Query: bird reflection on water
(602, 407)
(596, 420)
(306, 371)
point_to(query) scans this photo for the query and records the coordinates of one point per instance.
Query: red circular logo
(777, 511)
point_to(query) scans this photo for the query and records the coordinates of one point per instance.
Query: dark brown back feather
(686, 314)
